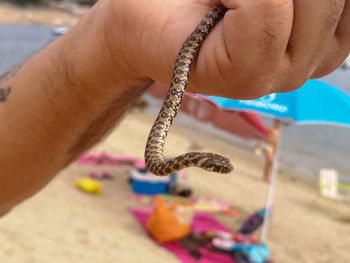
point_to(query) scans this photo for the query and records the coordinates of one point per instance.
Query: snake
(154, 151)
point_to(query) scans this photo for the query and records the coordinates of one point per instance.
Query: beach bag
(169, 223)
(257, 253)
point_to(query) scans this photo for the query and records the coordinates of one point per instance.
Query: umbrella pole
(268, 210)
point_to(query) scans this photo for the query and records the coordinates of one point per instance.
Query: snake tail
(154, 152)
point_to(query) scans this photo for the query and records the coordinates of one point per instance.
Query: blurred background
(89, 212)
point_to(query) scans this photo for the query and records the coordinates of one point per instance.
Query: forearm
(68, 96)
(52, 108)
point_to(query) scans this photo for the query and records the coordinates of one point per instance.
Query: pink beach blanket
(202, 222)
(102, 158)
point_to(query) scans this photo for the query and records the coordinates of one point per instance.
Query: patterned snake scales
(154, 153)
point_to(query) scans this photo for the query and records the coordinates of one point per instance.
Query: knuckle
(293, 75)
(328, 66)
(293, 83)
(256, 81)
(253, 88)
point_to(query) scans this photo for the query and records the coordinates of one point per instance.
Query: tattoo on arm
(5, 87)
(4, 93)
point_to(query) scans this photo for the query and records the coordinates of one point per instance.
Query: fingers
(312, 36)
(258, 29)
(339, 45)
(259, 47)
(274, 45)
(253, 34)
(343, 30)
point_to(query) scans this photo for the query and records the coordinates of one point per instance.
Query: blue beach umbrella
(314, 103)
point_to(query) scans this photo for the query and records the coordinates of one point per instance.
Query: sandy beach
(64, 224)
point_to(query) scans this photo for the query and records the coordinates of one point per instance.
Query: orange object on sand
(169, 223)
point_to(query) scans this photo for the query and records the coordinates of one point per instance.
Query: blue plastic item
(257, 253)
(143, 182)
(149, 188)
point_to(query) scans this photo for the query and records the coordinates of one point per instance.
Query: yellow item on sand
(89, 185)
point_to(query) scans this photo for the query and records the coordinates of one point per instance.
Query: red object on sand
(244, 124)
(239, 237)
(254, 239)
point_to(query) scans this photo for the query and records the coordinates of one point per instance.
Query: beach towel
(202, 222)
(102, 158)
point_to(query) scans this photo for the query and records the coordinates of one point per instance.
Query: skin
(269, 152)
(293, 40)
(67, 97)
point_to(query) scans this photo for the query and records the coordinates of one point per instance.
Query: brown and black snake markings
(154, 153)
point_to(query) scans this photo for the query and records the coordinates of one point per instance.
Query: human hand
(259, 47)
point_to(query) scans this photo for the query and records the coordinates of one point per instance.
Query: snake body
(154, 153)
